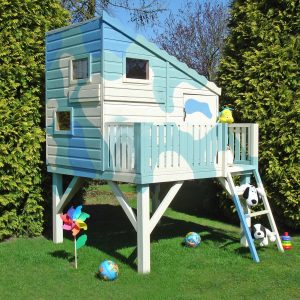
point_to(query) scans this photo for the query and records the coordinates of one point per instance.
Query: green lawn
(217, 269)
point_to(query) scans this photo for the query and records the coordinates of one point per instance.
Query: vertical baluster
(168, 148)
(208, 145)
(231, 140)
(132, 152)
(214, 144)
(202, 144)
(161, 146)
(154, 150)
(175, 146)
(237, 149)
(243, 144)
(118, 147)
(196, 146)
(112, 146)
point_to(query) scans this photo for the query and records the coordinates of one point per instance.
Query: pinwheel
(73, 221)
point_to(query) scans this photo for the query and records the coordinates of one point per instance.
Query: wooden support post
(143, 232)
(56, 197)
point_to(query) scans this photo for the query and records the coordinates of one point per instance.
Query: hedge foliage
(259, 74)
(23, 24)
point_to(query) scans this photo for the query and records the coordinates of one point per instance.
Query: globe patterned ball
(108, 270)
(192, 239)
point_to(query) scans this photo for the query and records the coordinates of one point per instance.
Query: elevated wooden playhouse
(120, 109)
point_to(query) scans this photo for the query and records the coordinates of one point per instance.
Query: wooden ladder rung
(257, 213)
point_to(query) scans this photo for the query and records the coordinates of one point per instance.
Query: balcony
(147, 153)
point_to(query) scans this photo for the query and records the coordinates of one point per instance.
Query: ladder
(243, 216)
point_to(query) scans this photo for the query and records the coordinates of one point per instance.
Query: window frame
(136, 80)
(64, 132)
(84, 80)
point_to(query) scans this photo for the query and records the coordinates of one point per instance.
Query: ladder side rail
(243, 220)
(268, 208)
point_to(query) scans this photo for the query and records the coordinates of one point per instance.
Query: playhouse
(120, 109)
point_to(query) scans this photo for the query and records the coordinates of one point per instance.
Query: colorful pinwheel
(73, 220)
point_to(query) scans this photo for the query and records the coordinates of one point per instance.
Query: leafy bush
(259, 74)
(22, 32)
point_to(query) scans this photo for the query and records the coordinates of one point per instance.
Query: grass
(218, 269)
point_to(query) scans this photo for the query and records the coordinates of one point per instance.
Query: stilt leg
(56, 196)
(143, 232)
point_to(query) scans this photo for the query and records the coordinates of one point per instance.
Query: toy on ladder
(273, 235)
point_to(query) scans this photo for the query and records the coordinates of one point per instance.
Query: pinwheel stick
(75, 252)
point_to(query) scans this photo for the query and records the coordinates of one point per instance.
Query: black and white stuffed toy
(251, 194)
(262, 234)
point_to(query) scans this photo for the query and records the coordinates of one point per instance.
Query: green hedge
(22, 32)
(259, 74)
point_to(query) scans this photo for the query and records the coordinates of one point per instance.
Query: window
(137, 68)
(63, 121)
(80, 68)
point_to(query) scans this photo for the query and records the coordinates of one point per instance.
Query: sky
(171, 6)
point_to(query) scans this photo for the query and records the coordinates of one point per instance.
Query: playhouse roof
(140, 39)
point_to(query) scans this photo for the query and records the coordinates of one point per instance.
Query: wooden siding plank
(57, 83)
(75, 162)
(147, 86)
(74, 142)
(74, 50)
(58, 74)
(54, 103)
(69, 32)
(74, 40)
(74, 152)
(61, 63)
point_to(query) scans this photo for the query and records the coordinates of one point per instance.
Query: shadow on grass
(109, 230)
(63, 255)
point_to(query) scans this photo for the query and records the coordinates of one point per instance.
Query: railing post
(254, 144)
(140, 140)
(224, 147)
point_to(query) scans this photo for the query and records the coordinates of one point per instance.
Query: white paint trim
(225, 185)
(164, 204)
(155, 197)
(72, 189)
(57, 224)
(124, 203)
(143, 232)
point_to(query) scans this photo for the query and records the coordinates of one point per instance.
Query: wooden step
(257, 213)
(239, 169)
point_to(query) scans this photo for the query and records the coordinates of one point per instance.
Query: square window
(137, 68)
(63, 121)
(80, 68)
